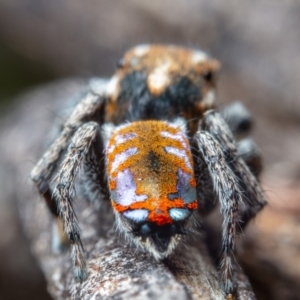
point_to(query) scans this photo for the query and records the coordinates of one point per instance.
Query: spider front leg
(88, 109)
(82, 146)
(227, 189)
(232, 180)
(93, 180)
(253, 195)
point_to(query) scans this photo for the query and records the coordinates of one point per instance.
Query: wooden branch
(117, 270)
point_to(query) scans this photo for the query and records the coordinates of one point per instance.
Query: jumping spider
(150, 139)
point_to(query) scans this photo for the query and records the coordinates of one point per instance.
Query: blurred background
(258, 44)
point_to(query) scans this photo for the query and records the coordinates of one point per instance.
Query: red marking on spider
(153, 168)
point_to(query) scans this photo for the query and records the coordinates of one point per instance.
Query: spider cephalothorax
(181, 81)
(132, 136)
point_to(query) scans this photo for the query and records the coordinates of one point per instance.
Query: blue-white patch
(121, 157)
(186, 192)
(179, 153)
(136, 215)
(179, 214)
(125, 191)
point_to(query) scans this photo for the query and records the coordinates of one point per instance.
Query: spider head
(151, 181)
(160, 82)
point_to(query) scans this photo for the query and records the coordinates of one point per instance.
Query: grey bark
(117, 269)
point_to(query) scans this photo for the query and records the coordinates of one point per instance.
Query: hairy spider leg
(229, 175)
(89, 108)
(253, 196)
(81, 146)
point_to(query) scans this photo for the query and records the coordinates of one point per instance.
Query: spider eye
(150, 230)
(145, 230)
(208, 75)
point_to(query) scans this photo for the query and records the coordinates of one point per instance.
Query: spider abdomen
(150, 172)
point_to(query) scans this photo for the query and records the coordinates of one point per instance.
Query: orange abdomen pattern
(150, 172)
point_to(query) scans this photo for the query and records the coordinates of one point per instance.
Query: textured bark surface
(258, 44)
(117, 270)
(271, 251)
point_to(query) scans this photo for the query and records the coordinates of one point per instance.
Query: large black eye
(145, 230)
(150, 229)
(208, 75)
